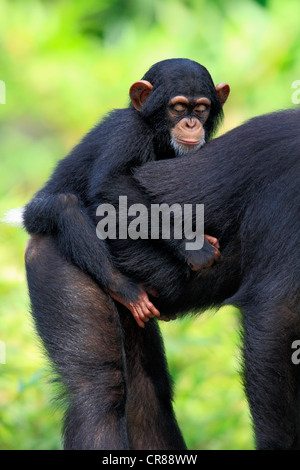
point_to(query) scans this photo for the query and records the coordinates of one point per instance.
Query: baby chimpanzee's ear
(139, 93)
(223, 91)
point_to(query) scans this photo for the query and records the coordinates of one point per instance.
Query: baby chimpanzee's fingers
(140, 322)
(152, 309)
(146, 312)
(213, 241)
(143, 309)
(136, 312)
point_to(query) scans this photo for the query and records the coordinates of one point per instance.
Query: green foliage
(67, 63)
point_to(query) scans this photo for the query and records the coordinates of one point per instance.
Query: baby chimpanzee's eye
(200, 108)
(179, 107)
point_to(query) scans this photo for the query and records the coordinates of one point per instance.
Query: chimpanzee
(116, 378)
(175, 108)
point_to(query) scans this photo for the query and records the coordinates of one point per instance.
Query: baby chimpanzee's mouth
(188, 142)
(182, 146)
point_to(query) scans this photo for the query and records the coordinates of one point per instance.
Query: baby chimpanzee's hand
(208, 254)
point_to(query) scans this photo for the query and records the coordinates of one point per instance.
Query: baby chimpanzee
(174, 109)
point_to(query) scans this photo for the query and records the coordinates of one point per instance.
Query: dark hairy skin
(115, 373)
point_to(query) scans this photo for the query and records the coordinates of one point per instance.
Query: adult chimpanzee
(116, 376)
(174, 109)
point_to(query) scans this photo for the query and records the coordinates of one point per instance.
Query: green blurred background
(65, 63)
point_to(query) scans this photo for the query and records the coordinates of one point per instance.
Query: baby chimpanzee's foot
(141, 308)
